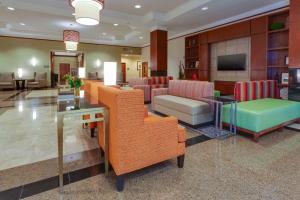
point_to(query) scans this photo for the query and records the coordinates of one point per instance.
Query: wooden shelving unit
(277, 46)
(191, 56)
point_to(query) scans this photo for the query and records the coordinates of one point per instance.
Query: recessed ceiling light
(141, 37)
(137, 6)
(10, 8)
(22, 24)
(204, 8)
(104, 33)
(73, 14)
(116, 24)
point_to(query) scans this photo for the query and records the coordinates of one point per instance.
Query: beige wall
(131, 66)
(238, 46)
(175, 55)
(17, 53)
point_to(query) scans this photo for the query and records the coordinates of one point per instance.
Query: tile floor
(234, 168)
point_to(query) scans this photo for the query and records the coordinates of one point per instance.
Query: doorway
(145, 69)
(123, 72)
(64, 69)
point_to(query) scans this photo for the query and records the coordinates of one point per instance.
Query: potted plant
(76, 83)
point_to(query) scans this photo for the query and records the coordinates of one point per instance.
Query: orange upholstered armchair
(135, 139)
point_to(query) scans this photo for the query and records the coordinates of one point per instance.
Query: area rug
(42, 94)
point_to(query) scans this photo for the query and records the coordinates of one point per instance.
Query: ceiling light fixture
(137, 6)
(204, 8)
(71, 39)
(104, 33)
(10, 8)
(141, 37)
(73, 14)
(22, 24)
(116, 24)
(87, 12)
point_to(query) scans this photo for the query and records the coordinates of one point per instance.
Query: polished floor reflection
(235, 168)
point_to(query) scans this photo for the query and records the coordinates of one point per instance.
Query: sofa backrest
(191, 89)
(251, 90)
(138, 81)
(40, 76)
(6, 77)
(93, 75)
(160, 80)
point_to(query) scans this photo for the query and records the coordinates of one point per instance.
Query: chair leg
(180, 161)
(92, 132)
(120, 183)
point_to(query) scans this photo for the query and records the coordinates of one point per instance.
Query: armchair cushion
(6, 84)
(6, 77)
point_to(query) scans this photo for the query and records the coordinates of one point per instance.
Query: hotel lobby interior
(139, 99)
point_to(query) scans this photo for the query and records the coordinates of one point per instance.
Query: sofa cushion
(6, 83)
(189, 106)
(33, 83)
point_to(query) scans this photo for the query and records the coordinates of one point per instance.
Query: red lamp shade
(71, 39)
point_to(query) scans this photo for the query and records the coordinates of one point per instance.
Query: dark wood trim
(257, 135)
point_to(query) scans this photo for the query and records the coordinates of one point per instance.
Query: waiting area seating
(147, 84)
(183, 100)
(137, 140)
(259, 110)
(7, 81)
(39, 81)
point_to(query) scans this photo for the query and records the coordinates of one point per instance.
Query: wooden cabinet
(225, 87)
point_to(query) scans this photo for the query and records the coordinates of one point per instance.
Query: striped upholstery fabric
(136, 141)
(160, 80)
(147, 84)
(138, 81)
(252, 90)
(191, 89)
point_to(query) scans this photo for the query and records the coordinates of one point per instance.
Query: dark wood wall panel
(259, 25)
(294, 44)
(204, 56)
(257, 75)
(258, 51)
(229, 32)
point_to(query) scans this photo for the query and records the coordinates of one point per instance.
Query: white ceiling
(46, 19)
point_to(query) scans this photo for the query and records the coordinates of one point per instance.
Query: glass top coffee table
(66, 108)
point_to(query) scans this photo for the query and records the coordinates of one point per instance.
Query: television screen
(232, 62)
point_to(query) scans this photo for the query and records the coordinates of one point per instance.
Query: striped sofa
(252, 90)
(147, 84)
(260, 110)
(183, 100)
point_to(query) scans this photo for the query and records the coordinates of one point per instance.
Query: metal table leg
(60, 132)
(231, 113)
(217, 115)
(235, 116)
(106, 140)
(221, 116)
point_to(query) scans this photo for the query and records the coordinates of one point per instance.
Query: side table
(217, 131)
(20, 83)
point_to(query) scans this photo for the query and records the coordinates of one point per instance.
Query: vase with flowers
(75, 83)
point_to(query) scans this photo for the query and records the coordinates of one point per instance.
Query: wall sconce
(33, 61)
(110, 73)
(81, 72)
(20, 72)
(98, 63)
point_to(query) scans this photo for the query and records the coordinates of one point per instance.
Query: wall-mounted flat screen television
(232, 62)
